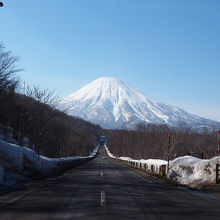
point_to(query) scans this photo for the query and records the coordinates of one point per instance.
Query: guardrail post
(152, 168)
(217, 173)
(163, 170)
(168, 159)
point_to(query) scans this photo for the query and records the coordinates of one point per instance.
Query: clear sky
(168, 49)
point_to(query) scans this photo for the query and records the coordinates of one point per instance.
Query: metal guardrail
(144, 166)
(161, 170)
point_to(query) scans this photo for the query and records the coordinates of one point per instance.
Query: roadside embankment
(186, 170)
(25, 161)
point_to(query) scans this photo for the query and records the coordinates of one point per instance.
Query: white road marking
(23, 195)
(140, 176)
(31, 191)
(204, 196)
(102, 199)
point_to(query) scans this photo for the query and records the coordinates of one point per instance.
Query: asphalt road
(103, 189)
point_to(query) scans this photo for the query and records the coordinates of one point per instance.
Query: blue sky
(169, 49)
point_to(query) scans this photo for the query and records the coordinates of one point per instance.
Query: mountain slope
(112, 103)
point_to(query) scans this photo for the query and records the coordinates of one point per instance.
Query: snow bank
(188, 169)
(154, 164)
(150, 164)
(24, 160)
(11, 156)
(1, 173)
(109, 153)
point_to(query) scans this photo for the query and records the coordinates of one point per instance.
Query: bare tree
(150, 141)
(8, 83)
(32, 115)
(45, 96)
(8, 69)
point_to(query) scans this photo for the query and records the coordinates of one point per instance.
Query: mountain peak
(112, 103)
(107, 79)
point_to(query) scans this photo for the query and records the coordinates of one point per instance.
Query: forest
(28, 116)
(160, 142)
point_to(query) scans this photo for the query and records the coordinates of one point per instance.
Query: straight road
(103, 189)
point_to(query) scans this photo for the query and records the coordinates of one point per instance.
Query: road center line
(102, 198)
(140, 176)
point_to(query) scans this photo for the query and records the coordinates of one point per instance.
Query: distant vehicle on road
(104, 157)
(102, 140)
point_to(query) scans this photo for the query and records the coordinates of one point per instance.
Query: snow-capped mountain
(112, 103)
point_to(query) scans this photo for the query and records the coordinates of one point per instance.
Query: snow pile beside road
(11, 156)
(155, 163)
(109, 153)
(188, 170)
(149, 164)
(1, 173)
(94, 153)
(25, 161)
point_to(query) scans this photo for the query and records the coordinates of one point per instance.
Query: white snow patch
(156, 163)
(21, 159)
(186, 170)
(11, 156)
(1, 173)
(110, 154)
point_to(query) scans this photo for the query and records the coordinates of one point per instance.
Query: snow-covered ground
(189, 169)
(25, 161)
(1, 173)
(10, 137)
(186, 170)
(149, 164)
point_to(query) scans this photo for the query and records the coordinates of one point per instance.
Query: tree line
(30, 117)
(152, 141)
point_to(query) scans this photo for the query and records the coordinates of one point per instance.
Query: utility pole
(217, 165)
(218, 144)
(168, 158)
(39, 144)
